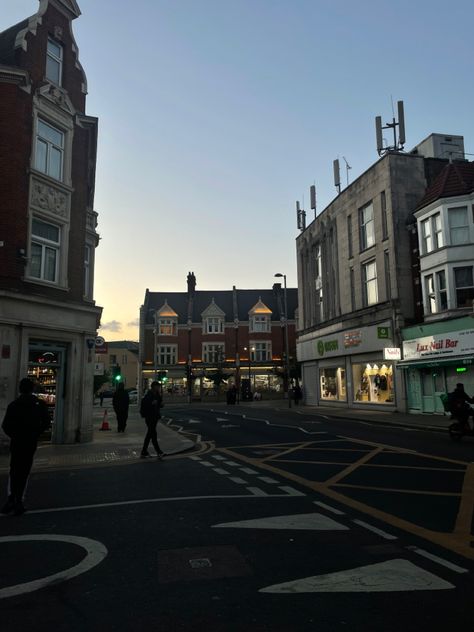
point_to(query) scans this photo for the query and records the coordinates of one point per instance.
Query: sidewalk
(108, 446)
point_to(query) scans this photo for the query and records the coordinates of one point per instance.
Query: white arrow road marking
(95, 553)
(396, 575)
(308, 522)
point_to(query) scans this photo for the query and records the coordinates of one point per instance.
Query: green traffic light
(118, 378)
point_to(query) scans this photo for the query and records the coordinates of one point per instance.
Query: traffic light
(162, 377)
(116, 373)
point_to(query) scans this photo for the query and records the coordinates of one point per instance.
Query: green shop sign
(383, 332)
(328, 345)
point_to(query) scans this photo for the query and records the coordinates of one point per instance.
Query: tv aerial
(399, 143)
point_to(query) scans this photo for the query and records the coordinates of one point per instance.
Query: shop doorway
(46, 367)
(433, 385)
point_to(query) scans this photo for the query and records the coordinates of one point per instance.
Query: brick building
(190, 336)
(48, 318)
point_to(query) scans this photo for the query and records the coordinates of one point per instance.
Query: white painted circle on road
(95, 553)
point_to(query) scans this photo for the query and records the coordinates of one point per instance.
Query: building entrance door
(46, 367)
(433, 385)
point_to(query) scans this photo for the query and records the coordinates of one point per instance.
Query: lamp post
(250, 349)
(287, 362)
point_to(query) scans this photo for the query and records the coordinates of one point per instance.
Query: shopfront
(349, 367)
(436, 357)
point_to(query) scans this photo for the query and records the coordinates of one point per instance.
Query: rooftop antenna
(337, 175)
(300, 217)
(397, 144)
(347, 170)
(312, 195)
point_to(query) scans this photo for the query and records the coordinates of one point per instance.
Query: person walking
(121, 402)
(150, 410)
(25, 419)
(297, 394)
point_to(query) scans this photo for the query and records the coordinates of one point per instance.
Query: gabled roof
(457, 178)
(201, 299)
(166, 311)
(7, 41)
(212, 310)
(260, 308)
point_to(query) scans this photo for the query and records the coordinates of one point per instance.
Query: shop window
(333, 383)
(464, 284)
(373, 383)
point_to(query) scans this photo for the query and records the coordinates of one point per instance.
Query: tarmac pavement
(111, 447)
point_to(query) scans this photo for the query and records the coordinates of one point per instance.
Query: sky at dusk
(215, 116)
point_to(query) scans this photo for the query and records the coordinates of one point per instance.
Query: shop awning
(422, 364)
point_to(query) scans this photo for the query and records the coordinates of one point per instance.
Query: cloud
(112, 325)
(134, 323)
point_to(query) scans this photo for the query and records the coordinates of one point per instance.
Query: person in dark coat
(297, 394)
(121, 402)
(458, 404)
(25, 419)
(150, 409)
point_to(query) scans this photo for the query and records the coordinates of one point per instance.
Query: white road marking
(267, 479)
(95, 553)
(329, 508)
(207, 463)
(247, 470)
(230, 426)
(379, 532)
(195, 458)
(219, 470)
(219, 457)
(237, 479)
(396, 575)
(167, 499)
(256, 491)
(291, 491)
(221, 418)
(194, 421)
(438, 560)
(306, 522)
(232, 463)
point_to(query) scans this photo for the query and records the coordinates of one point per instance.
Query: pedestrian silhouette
(26, 418)
(150, 410)
(121, 402)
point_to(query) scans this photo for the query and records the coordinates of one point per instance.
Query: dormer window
(214, 325)
(260, 322)
(167, 326)
(54, 62)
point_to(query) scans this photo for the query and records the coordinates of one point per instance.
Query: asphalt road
(285, 521)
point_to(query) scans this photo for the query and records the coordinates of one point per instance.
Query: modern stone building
(48, 317)
(358, 285)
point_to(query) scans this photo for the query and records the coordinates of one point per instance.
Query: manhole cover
(201, 563)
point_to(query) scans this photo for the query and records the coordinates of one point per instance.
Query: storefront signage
(392, 353)
(456, 343)
(352, 338)
(327, 345)
(99, 368)
(383, 332)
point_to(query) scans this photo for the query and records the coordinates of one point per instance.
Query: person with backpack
(26, 418)
(150, 410)
(458, 404)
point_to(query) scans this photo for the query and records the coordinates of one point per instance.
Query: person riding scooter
(458, 404)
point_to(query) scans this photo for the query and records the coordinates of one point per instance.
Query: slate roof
(246, 299)
(457, 178)
(123, 344)
(7, 42)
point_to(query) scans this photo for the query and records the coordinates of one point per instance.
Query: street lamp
(287, 363)
(250, 349)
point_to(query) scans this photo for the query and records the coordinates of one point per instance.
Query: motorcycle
(459, 428)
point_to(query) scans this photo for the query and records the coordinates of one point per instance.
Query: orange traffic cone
(105, 423)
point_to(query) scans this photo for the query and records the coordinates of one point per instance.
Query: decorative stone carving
(47, 198)
(58, 33)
